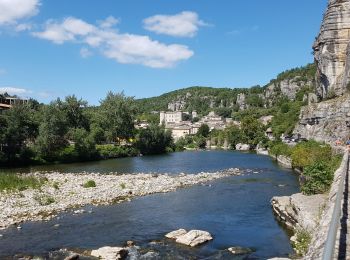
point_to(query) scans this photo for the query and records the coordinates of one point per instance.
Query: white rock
(242, 147)
(110, 253)
(175, 234)
(194, 238)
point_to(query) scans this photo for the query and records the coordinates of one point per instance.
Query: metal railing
(328, 251)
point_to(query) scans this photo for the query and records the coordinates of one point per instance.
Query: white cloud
(85, 52)
(184, 24)
(109, 22)
(13, 10)
(15, 91)
(124, 48)
(65, 31)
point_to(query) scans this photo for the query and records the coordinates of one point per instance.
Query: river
(235, 210)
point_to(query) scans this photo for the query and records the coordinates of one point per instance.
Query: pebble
(16, 209)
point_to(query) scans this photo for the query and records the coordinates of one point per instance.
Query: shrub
(307, 153)
(318, 178)
(302, 241)
(113, 151)
(89, 184)
(44, 200)
(279, 148)
(122, 185)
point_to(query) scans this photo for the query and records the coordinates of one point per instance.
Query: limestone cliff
(326, 121)
(332, 49)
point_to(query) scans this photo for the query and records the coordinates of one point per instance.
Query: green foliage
(318, 178)
(252, 131)
(203, 130)
(52, 130)
(307, 153)
(302, 242)
(44, 199)
(115, 151)
(116, 116)
(154, 140)
(17, 182)
(286, 118)
(279, 148)
(89, 184)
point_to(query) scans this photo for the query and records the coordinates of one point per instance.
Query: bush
(307, 153)
(302, 242)
(44, 200)
(89, 184)
(113, 151)
(318, 178)
(279, 148)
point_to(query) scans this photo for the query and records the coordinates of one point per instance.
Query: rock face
(192, 238)
(110, 253)
(241, 101)
(332, 50)
(287, 87)
(326, 121)
(298, 210)
(284, 161)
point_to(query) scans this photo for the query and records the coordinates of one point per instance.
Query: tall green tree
(52, 131)
(116, 116)
(17, 126)
(154, 140)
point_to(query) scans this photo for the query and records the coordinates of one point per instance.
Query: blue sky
(51, 49)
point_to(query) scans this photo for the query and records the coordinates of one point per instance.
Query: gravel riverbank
(64, 191)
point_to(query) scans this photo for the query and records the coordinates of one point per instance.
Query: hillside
(291, 84)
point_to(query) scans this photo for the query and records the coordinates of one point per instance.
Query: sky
(51, 49)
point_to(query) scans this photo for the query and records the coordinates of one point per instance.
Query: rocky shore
(66, 191)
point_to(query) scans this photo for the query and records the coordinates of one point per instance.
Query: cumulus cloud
(184, 24)
(13, 10)
(124, 48)
(15, 91)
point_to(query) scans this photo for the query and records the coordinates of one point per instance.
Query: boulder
(237, 250)
(110, 253)
(242, 147)
(194, 238)
(175, 234)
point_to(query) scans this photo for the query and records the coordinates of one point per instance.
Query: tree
(74, 110)
(154, 140)
(234, 135)
(252, 130)
(17, 126)
(52, 131)
(116, 116)
(203, 130)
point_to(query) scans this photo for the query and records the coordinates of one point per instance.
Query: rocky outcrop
(192, 238)
(299, 211)
(241, 101)
(327, 121)
(284, 161)
(110, 253)
(242, 147)
(332, 49)
(288, 88)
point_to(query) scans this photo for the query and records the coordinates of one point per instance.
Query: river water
(235, 210)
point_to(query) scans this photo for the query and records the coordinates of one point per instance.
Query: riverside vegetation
(69, 130)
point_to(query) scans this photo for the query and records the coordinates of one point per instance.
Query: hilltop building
(6, 101)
